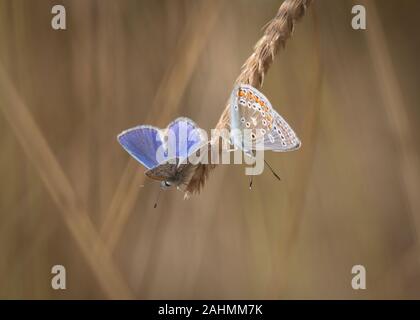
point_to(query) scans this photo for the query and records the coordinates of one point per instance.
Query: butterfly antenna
(250, 182)
(272, 171)
(157, 199)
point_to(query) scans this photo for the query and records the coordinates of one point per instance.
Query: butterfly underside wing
(168, 172)
(264, 128)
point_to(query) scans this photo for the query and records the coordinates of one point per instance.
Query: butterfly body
(171, 174)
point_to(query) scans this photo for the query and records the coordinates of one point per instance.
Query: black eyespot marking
(242, 119)
(247, 124)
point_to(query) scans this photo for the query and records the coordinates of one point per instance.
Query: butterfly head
(165, 184)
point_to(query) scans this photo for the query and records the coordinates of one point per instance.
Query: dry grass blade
(168, 96)
(309, 135)
(277, 32)
(77, 220)
(398, 118)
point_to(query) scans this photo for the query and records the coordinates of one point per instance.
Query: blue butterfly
(165, 152)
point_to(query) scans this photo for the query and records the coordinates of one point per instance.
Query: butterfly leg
(272, 171)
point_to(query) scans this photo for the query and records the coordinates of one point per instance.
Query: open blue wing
(142, 143)
(184, 138)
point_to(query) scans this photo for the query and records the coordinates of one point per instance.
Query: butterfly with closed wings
(256, 126)
(251, 110)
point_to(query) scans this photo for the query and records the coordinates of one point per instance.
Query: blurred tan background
(71, 195)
